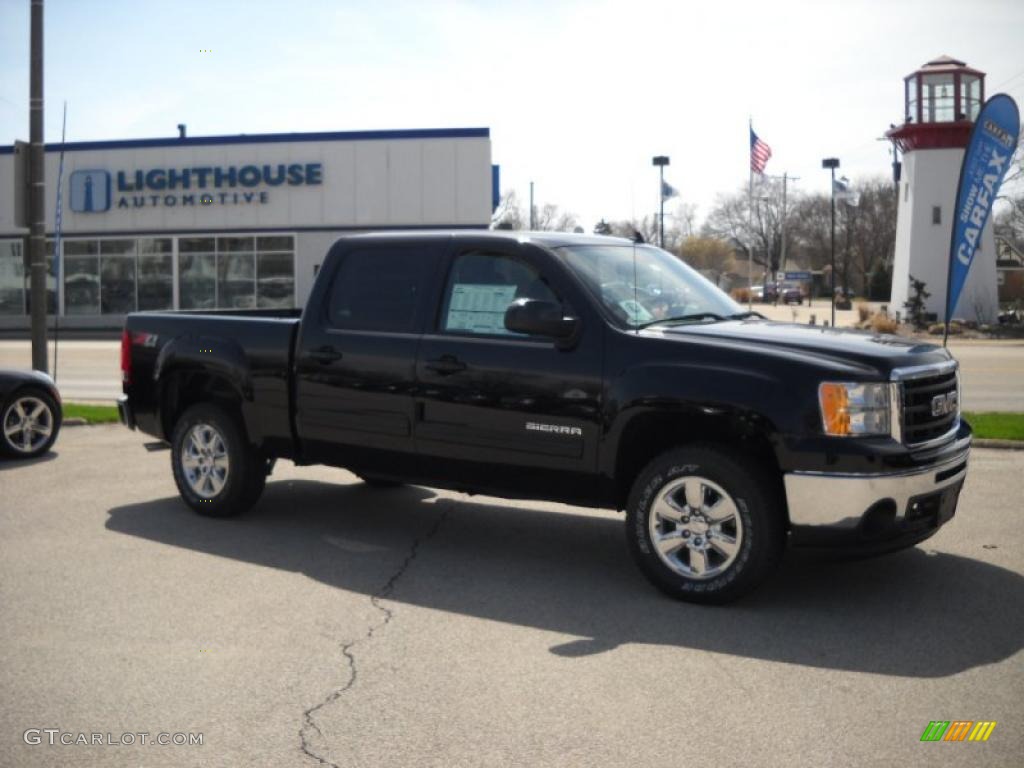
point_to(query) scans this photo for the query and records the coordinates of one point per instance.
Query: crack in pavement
(309, 725)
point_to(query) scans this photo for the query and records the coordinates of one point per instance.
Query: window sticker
(479, 308)
(635, 312)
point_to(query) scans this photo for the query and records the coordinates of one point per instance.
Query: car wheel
(30, 421)
(704, 526)
(217, 471)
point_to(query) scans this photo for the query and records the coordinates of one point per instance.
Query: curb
(1008, 445)
(74, 421)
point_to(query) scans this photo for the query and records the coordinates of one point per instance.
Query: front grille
(919, 425)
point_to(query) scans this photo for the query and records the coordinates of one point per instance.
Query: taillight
(126, 357)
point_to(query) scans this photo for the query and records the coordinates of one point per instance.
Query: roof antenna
(181, 130)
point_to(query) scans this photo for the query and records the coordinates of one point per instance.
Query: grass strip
(997, 425)
(93, 414)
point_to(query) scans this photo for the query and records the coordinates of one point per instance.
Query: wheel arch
(649, 433)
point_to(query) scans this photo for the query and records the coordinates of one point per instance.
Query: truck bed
(252, 350)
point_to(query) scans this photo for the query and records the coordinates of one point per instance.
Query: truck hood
(829, 346)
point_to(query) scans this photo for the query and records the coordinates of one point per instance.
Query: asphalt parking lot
(340, 625)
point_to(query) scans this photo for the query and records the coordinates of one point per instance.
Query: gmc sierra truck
(587, 370)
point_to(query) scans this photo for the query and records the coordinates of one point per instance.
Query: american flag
(759, 153)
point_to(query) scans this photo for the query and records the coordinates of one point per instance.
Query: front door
(498, 410)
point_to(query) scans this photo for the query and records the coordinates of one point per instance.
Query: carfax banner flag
(986, 160)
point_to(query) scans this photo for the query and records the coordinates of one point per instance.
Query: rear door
(355, 361)
(502, 410)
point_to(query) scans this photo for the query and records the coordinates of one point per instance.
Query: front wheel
(218, 473)
(703, 526)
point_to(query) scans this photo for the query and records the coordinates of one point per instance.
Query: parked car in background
(791, 293)
(30, 414)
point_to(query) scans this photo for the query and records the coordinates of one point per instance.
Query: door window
(481, 286)
(379, 289)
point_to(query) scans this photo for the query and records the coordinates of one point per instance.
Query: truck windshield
(651, 288)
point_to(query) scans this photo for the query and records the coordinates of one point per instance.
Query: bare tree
(708, 253)
(758, 227)
(508, 214)
(548, 217)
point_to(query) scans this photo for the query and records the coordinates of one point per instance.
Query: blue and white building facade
(230, 221)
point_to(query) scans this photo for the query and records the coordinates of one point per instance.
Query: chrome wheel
(204, 460)
(695, 527)
(27, 424)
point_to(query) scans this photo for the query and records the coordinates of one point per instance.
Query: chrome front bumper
(821, 502)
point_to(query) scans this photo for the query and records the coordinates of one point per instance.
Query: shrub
(863, 312)
(740, 294)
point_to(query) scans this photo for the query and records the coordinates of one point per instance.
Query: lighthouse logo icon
(90, 191)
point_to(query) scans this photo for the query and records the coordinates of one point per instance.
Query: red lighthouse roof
(941, 100)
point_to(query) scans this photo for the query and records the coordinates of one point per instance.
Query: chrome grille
(920, 423)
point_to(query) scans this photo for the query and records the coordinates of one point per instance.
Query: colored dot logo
(206, 50)
(206, 199)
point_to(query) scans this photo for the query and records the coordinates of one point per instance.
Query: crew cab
(581, 369)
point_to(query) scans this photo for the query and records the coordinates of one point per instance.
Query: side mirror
(540, 318)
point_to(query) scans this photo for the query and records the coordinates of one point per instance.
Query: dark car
(30, 414)
(791, 293)
(586, 370)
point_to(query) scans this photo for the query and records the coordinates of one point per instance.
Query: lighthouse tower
(941, 101)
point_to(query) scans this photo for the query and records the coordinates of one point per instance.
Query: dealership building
(228, 221)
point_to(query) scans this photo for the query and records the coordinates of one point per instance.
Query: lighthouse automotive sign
(96, 191)
(986, 160)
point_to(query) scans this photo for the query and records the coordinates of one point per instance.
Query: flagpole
(750, 219)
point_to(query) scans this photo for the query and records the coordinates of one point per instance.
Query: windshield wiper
(745, 315)
(684, 319)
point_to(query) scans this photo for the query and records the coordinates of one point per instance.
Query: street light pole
(661, 161)
(832, 163)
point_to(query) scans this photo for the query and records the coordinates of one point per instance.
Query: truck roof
(549, 239)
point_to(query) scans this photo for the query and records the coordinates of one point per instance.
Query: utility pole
(532, 222)
(831, 163)
(661, 161)
(37, 193)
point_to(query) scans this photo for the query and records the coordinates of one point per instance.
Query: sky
(579, 96)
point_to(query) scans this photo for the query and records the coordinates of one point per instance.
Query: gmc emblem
(944, 404)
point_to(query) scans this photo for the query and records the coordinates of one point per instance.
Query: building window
(81, 277)
(12, 278)
(936, 214)
(197, 273)
(117, 277)
(236, 273)
(156, 273)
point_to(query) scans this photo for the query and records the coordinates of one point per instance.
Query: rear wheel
(218, 473)
(29, 422)
(704, 526)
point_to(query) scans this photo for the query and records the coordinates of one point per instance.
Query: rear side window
(380, 289)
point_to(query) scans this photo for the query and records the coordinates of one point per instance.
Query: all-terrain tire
(701, 499)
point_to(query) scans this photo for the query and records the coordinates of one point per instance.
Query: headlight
(849, 410)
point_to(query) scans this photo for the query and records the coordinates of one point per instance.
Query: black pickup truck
(588, 370)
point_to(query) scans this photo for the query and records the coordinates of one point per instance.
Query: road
(340, 625)
(993, 371)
